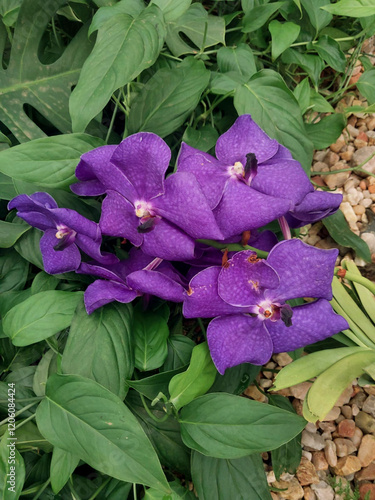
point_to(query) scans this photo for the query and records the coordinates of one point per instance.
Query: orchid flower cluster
(252, 181)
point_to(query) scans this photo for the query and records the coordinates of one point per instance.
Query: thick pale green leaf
(197, 25)
(328, 387)
(179, 352)
(47, 365)
(258, 16)
(12, 468)
(196, 380)
(178, 493)
(48, 162)
(172, 9)
(168, 98)
(312, 64)
(227, 426)
(366, 85)
(40, 316)
(275, 109)
(26, 80)
(219, 479)
(339, 230)
(124, 48)
(105, 337)
(318, 17)
(239, 59)
(63, 464)
(352, 8)
(13, 271)
(203, 138)
(330, 51)
(326, 131)
(131, 7)
(9, 233)
(82, 417)
(150, 332)
(283, 35)
(151, 386)
(366, 297)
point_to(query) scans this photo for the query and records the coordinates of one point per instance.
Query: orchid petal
(101, 292)
(92, 248)
(77, 222)
(156, 283)
(88, 188)
(313, 207)
(58, 261)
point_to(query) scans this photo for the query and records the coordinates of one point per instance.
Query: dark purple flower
(253, 181)
(163, 216)
(249, 296)
(314, 207)
(123, 282)
(65, 232)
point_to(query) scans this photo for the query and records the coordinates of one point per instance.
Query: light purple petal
(33, 209)
(111, 272)
(88, 188)
(202, 299)
(243, 208)
(310, 323)
(77, 222)
(38, 220)
(156, 283)
(282, 153)
(238, 339)
(57, 262)
(118, 218)
(101, 292)
(185, 205)
(283, 179)
(313, 207)
(265, 240)
(243, 280)
(144, 159)
(244, 137)
(91, 161)
(92, 248)
(304, 271)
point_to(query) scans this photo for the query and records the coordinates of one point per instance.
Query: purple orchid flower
(138, 275)
(314, 207)
(65, 232)
(163, 216)
(248, 297)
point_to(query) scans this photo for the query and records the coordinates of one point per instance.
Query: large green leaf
(178, 493)
(82, 417)
(63, 464)
(326, 131)
(168, 98)
(47, 365)
(153, 385)
(275, 109)
(226, 426)
(239, 59)
(132, 7)
(13, 271)
(27, 80)
(283, 35)
(49, 162)
(258, 16)
(366, 85)
(124, 47)
(172, 9)
(12, 468)
(105, 338)
(9, 233)
(330, 51)
(179, 352)
(352, 8)
(318, 17)
(40, 316)
(312, 64)
(219, 479)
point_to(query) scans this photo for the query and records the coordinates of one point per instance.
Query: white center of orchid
(142, 209)
(237, 169)
(265, 310)
(62, 231)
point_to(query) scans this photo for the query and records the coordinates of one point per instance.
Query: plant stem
(234, 247)
(149, 412)
(19, 412)
(25, 421)
(357, 279)
(112, 121)
(101, 487)
(42, 489)
(344, 39)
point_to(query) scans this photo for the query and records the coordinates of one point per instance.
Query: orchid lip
(143, 209)
(66, 237)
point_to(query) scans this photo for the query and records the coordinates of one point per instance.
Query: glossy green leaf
(283, 35)
(105, 336)
(124, 48)
(366, 85)
(227, 426)
(258, 16)
(178, 493)
(46, 366)
(318, 17)
(352, 8)
(43, 282)
(220, 479)
(28, 246)
(48, 162)
(172, 9)
(326, 131)
(151, 386)
(203, 138)
(29, 438)
(12, 298)
(330, 51)
(82, 417)
(312, 64)
(202, 29)
(9, 10)
(168, 98)
(12, 469)
(225, 83)
(131, 7)
(236, 379)
(318, 103)
(302, 93)
(179, 352)
(275, 109)
(13, 271)
(239, 59)
(40, 316)
(10, 232)
(339, 230)
(196, 380)
(366, 297)
(63, 464)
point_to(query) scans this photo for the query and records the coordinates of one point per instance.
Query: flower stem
(233, 247)
(357, 279)
(285, 229)
(149, 412)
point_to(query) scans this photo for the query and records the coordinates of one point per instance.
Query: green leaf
(46, 367)
(236, 379)
(258, 16)
(63, 464)
(178, 493)
(339, 230)
(225, 83)
(124, 48)
(239, 59)
(9, 10)
(82, 417)
(275, 109)
(318, 17)
(198, 26)
(12, 469)
(227, 426)
(328, 387)
(313, 65)
(326, 131)
(43, 282)
(151, 386)
(28, 81)
(29, 438)
(196, 380)
(28, 246)
(219, 479)
(179, 352)
(168, 98)
(150, 332)
(352, 8)
(330, 51)
(12, 298)
(10, 232)
(172, 9)
(13, 271)
(131, 7)
(366, 298)
(48, 162)
(302, 94)
(40, 316)
(366, 85)
(318, 103)
(106, 339)
(203, 139)
(283, 35)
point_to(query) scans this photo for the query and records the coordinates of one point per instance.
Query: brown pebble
(360, 143)
(359, 209)
(363, 185)
(366, 474)
(318, 180)
(346, 428)
(365, 489)
(362, 136)
(357, 438)
(293, 490)
(319, 460)
(371, 189)
(371, 124)
(331, 158)
(366, 452)
(298, 406)
(330, 453)
(347, 155)
(332, 415)
(346, 410)
(308, 494)
(338, 145)
(352, 120)
(306, 473)
(253, 393)
(344, 447)
(347, 465)
(299, 391)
